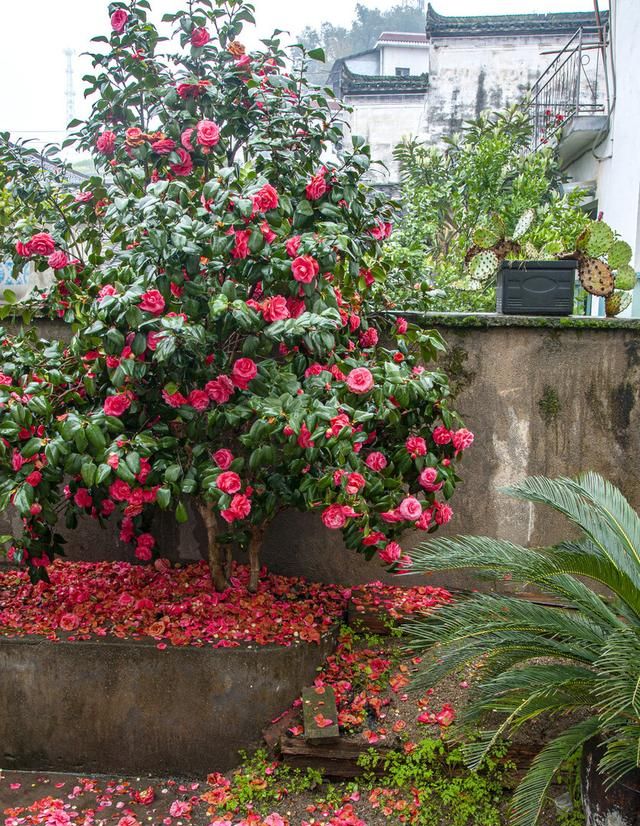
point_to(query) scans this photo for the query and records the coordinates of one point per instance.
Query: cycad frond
(529, 797)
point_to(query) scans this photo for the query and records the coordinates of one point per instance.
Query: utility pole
(69, 91)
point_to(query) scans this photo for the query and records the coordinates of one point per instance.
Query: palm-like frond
(591, 643)
(530, 795)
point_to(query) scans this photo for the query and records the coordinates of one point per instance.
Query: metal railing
(575, 83)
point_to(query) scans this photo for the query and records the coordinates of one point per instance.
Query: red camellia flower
(116, 405)
(163, 146)
(119, 20)
(335, 516)
(220, 390)
(207, 133)
(360, 380)
(275, 309)
(223, 458)
(355, 481)
(462, 439)
(241, 248)
(199, 399)
(106, 142)
(265, 199)
(376, 461)
(23, 249)
(41, 244)
(416, 446)
(243, 371)
(152, 302)
(293, 245)
(58, 260)
(305, 268)
(34, 478)
(185, 167)
(443, 513)
(391, 553)
(239, 508)
(401, 326)
(317, 187)
(441, 435)
(200, 37)
(228, 482)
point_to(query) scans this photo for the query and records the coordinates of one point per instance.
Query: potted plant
(577, 661)
(536, 270)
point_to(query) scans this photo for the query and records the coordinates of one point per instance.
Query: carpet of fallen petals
(398, 602)
(175, 606)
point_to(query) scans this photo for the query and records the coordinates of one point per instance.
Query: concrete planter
(125, 707)
(536, 287)
(617, 806)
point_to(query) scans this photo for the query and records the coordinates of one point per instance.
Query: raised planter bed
(124, 706)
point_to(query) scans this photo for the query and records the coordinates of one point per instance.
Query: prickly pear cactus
(625, 278)
(600, 240)
(530, 252)
(484, 265)
(595, 276)
(619, 255)
(553, 248)
(485, 238)
(616, 303)
(524, 223)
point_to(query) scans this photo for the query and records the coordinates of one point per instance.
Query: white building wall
(367, 64)
(414, 58)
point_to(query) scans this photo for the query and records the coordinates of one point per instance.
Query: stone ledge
(486, 320)
(120, 706)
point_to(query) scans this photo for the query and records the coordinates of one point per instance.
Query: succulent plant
(625, 278)
(616, 303)
(600, 239)
(619, 255)
(485, 238)
(525, 222)
(484, 265)
(595, 276)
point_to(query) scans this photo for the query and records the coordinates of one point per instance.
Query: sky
(35, 33)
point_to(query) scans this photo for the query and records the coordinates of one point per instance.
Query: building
(427, 85)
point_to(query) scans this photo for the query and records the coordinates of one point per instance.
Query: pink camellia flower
(106, 142)
(360, 380)
(83, 498)
(220, 390)
(316, 187)
(293, 245)
(427, 479)
(185, 138)
(58, 260)
(441, 435)
(116, 405)
(34, 478)
(152, 302)
(462, 439)
(424, 522)
(179, 808)
(339, 422)
(239, 508)
(199, 399)
(241, 247)
(305, 268)
(416, 446)
(83, 197)
(335, 516)
(376, 461)
(369, 338)
(185, 166)
(275, 819)
(119, 491)
(304, 437)
(106, 291)
(443, 513)
(163, 146)
(200, 37)
(41, 244)
(174, 399)
(223, 458)
(401, 326)
(119, 20)
(265, 199)
(373, 539)
(446, 715)
(355, 481)
(243, 371)
(409, 509)
(23, 249)
(391, 553)
(153, 339)
(207, 134)
(267, 233)
(228, 482)
(275, 309)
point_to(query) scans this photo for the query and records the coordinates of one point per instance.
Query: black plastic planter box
(536, 287)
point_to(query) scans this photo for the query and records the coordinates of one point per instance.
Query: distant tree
(338, 41)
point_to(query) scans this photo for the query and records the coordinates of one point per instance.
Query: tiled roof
(438, 25)
(383, 84)
(402, 37)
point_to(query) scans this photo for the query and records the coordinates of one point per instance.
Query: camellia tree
(215, 274)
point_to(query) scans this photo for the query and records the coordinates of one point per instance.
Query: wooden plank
(320, 715)
(334, 760)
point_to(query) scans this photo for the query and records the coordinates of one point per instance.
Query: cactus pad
(600, 239)
(485, 238)
(595, 276)
(625, 278)
(484, 265)
(524, 223)
(616, 303)
(619, 255)
(530, 252)
(553, 248)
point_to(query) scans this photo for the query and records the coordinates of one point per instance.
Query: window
(401, 71)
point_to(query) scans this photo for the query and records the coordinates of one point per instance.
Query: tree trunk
(255, 544)
(214, 551)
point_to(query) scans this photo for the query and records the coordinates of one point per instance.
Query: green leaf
(181, 513)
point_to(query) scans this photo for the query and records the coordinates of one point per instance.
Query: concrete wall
(121, 706)
(550, 398)
(408, 56)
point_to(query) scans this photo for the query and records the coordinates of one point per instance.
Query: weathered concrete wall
(552, 398)
(120, 706)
